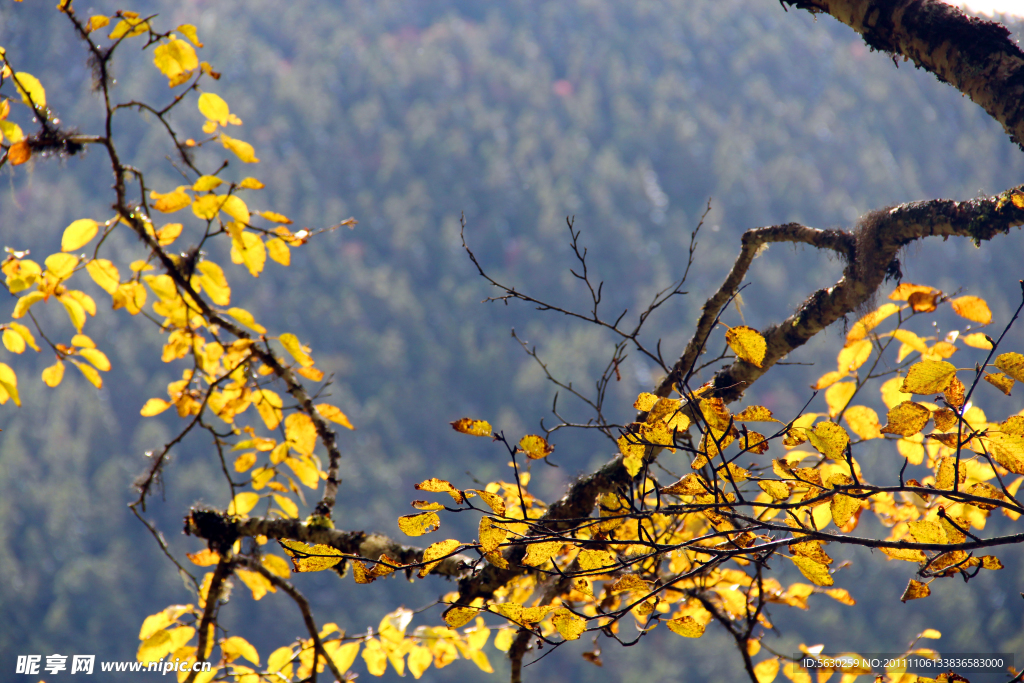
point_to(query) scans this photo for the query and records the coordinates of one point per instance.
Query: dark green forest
(628, 117)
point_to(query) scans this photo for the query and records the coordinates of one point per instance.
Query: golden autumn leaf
(955, 393)
(854, 355)
(860, 329)
(863, 422)
(279, 251)
(246, 318)
(972, 308)
(105, 274)
(493, 500)
(237, 646)
(53, 374)
(334, 415)
(645, 401)
(827, 380)
(838, 395)
(978, 340)
(815, 571)
(537, 554)
(491, 535)
(843, 508)
(754, 414)
(435, 485)
(689, 485)
(905, 289)
(687, 626)
(1000, 381)
(78, 234)
(747, 343)
(1012, 364)
(906, 419)
(905, 554)
(457, 617)
(472, 427)
(778, 490)
(31, 90)
(924, 531)
(170, 202)
(19, 153)
(766, 671)
(311, 558)
(915, 590)
(929, 377)
(923, 302)
(154, 406)
(630, 582)
(891, 393)
(535, 447)
(569, 626)
(241, 149)
(419, 524)
(829, 439)
(435, 552)
(301, 433)
(204, 558)
(243, 502)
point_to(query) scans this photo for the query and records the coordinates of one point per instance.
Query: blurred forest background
(405, 114)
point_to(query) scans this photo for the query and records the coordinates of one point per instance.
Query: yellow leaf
(345, 656)
(172, 201)
(906, 419)
(245, 317)
(13, 341)
(863, 421)
(690, 485)
(915, 589)
(1010, 363)
(535, 447)
(97, 358)
(815, 571)
(457, 617)
(211, 278)
(104, 273)
(247, 248)
(829, 439)
(537, 554)
(747, 343)
(493, 500)
(129, 27)
(243, 502)
(207, 206)
(843, 508)
(854, 355)
(61, 265)
(569, 626)
(869, 322)
(315, 558)
(305, 471)
(236, 208)
(972, 308)
(333, 414)
(78, 234)
(838, 395)
(291, 344)
(242, 150)
(1000, 381)
(419, 660)
(300, 432)
(891, 394)
(203, 558)
(978, 340)
(214, 108)
(469, 426)
(237, 646)
(53, 374)
(9, 384)
(279, 251)
(166, 235)
(207, 183)
(12, 132)
(435, 485)
(592, 559)
(251, 184)
(905, 554)
(491, 535)
(287, 505)
(766, 671)
(30, 89)
(96, 22)
(929, 377)
(154, 407)
(90, 373)
(189, 31)
(924, 531)
(687, 626)
(255, 582)
(419, 524)
(435, 552)
(630, 582)
(776, 489)
(828, 379)
(175, 59)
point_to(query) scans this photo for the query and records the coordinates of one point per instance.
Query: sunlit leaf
(30, 89)
(435, 552)
(972, 308)
(829, 439)
(246, 318)
(860, 329)
(537, 554)
(905, 419)
(929, 377)
(457, 617)
(19, 153)
(472, 427)
(435, 485)
(203, 558)
(766, 671)
(243, 150)
(687, 626)
(175, 59)
(237, 646)
(978, 340)
(863, 421)
(291, 344)
(90, 373)
(815, 571)
(214, 108)
(853, 355)
(569, 626)
(311, 558)
(104, 273)
(1012, 364)
(8, 385)
(78, 234)
(333, 414)
(1000, 381)
(838, 395)
(243, 502)
(287, 505)
(53, 374)
(535, 447)
(747, 343)
(915, 590)
(279, 251)
(417, 525)
(172, 201)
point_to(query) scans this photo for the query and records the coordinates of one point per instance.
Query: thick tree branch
(975, 56)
